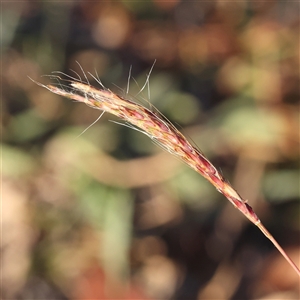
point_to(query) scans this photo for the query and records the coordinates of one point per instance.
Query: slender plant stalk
(160, 130)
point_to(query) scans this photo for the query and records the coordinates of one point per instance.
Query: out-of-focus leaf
(15, 162)
(117, 231)
(9, 24)
(93, 200)
(27, 126)
(282, 185)
(247, 126)
(194, 190)
(181, 107)
(111, 210)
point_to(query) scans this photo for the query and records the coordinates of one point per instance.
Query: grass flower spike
(161, 131)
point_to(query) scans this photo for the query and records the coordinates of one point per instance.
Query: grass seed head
(164, 133)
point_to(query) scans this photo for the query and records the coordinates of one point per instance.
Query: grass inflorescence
(163, 132)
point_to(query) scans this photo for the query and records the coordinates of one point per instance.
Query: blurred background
(107, 214)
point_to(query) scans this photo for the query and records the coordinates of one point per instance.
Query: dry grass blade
(166, 135)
